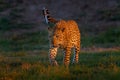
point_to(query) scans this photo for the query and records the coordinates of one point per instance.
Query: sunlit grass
(30, 66)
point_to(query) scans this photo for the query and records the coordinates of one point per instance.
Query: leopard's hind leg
(76, 55)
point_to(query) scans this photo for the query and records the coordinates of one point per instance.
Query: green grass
(92, 66)
(108, 38)
(26, 41)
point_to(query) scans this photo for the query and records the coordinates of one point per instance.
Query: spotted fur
(62, 34)
(65, 35)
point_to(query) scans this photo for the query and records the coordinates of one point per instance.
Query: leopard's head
(56, 33)
(58, 37)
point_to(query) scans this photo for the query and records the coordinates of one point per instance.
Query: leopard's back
(71, 33)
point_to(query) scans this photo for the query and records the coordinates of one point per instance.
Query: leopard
(65, 35)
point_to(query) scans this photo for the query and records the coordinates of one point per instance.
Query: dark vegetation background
(24, 43)
(22, 23)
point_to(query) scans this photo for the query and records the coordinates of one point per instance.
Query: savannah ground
(24, 41)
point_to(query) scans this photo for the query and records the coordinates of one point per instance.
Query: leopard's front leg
(52, 56)
(67, 56)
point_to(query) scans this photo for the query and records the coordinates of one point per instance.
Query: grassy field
(24, 55)
(35, 66)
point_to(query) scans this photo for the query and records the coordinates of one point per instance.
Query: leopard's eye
(57, 36)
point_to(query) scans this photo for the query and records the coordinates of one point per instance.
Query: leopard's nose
(54, 45)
